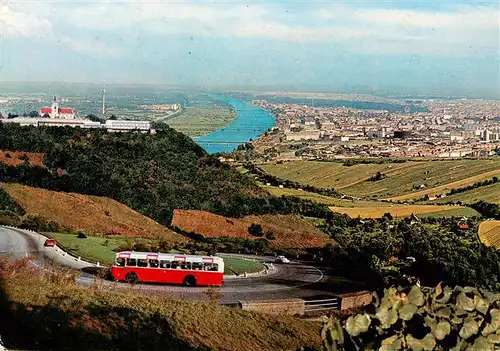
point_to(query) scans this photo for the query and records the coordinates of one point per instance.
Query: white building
(110, 125)
(126, 126)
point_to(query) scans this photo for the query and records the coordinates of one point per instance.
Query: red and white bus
(190, 270)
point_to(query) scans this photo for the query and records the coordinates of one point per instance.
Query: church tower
(55, 109)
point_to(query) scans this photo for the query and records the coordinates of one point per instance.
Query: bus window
(153, 263)
(120, 262)
(197, 266)
(175, 265)
(211, 267)
(164, 264)
(186, 265)
(142, 262)
(131, 262)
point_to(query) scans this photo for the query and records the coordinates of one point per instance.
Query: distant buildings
(56, 116)
(110, 125)
(449, 129)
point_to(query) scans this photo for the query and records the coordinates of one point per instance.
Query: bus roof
(169, 256)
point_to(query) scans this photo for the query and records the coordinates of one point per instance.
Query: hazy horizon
(447, 48)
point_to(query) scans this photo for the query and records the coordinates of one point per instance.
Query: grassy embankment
(194, 121)
(40, 310)
(399, 177)
(489, 233)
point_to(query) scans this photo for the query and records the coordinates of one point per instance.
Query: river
(250, 122)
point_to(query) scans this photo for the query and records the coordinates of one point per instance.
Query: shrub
(255, 230)
(420, 319)
(270, 235)
(141, 247)
(81, 235)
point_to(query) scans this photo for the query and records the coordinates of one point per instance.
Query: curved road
(285, 281)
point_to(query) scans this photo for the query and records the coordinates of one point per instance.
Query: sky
(428, 46)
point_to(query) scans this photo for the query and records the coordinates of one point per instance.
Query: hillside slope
(399, 180)
(150, 173)
(91, 214)
(290, 231)
(42, 312)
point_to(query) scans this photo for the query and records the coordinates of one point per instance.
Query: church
(57, 112)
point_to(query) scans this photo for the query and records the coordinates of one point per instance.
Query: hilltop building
(55, 111)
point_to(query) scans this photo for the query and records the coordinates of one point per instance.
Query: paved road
(297, 279)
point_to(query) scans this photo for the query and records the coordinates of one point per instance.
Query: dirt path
(449, 186)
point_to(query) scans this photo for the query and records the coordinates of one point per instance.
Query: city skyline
(438, 47)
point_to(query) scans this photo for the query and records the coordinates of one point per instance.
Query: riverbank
(198, 122)
(250, 122)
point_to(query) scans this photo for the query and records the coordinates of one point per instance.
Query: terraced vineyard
(327, 200)
(489, 193)
(398, 210)
(374, 209)
(400, 178)
(489, 233)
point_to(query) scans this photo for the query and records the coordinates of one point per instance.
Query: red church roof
(45, 110)
(66, 110)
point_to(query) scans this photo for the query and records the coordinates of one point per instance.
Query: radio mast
(104, 100)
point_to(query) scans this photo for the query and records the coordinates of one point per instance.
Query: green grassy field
(194, 121)
(457, 212)
(94, 249)
(238, 266)
(489, 193)
(400, 177)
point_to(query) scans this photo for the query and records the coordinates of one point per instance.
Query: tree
(33, 114)
(93, 117)
(270, 235)
(113, 118)
(255, 230)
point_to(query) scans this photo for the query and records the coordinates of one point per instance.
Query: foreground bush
(43, 310)
(421, 319)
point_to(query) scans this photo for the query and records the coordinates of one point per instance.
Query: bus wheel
(190, 281)
(131, 277)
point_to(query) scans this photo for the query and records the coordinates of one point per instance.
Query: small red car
(50, 242)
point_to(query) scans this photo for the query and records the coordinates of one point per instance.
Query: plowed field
(15, 158)
(92, 214)
(290, 231)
